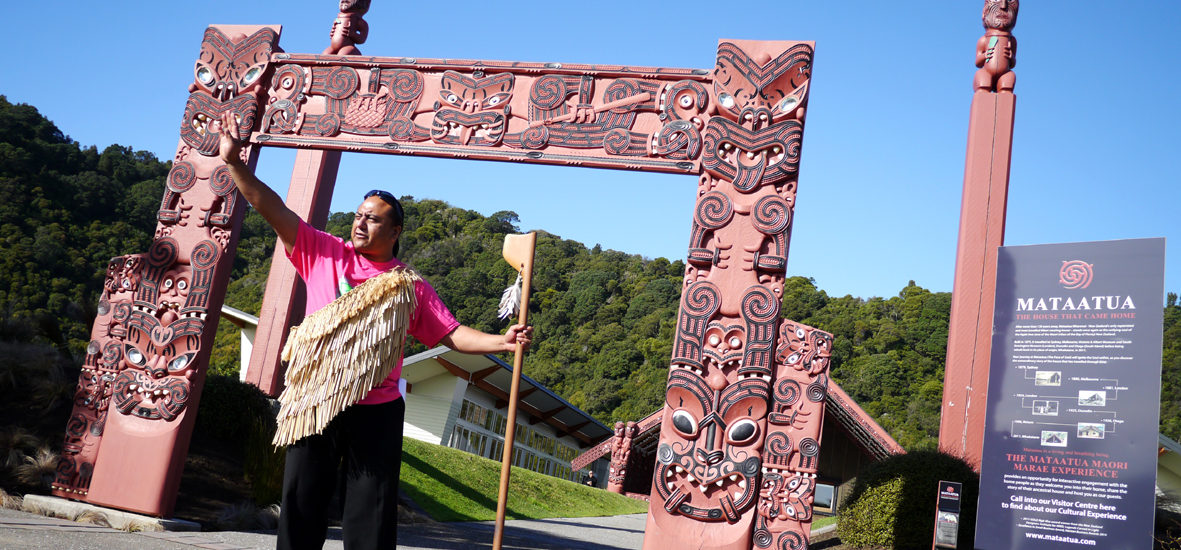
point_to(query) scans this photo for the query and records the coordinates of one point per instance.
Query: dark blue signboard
(1069, 458)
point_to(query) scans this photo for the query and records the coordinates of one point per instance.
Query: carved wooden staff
(518, 252)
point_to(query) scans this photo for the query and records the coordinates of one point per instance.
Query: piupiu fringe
(342, 351)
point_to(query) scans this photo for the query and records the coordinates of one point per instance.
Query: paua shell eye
(180, 362)
(136, 357)
(205, 75)
(726, 100)
(684, 422)
(251, 75)
(742, 431)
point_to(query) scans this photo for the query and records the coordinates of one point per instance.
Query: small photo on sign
(1089, 430)
(1048, 378)
(1090, 398)
(1043, 407)
(1053, 438)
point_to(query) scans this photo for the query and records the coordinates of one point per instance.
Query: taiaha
(518, 252)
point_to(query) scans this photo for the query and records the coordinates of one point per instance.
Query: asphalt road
(23, 530)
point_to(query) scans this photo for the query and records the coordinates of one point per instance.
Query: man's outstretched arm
(470, 340)
(283, 220)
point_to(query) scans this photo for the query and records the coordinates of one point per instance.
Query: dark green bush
(229, 408)
(892, 504)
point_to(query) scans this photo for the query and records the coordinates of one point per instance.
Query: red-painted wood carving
(621, 449)
(746, 390)
(136, 399)
(744, 404)
(981, 232)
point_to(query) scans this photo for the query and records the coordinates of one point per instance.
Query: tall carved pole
(136, 402)
(982, 231)
(309, 195)
(736, 461)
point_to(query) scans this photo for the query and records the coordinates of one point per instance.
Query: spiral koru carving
(340, 83)
(778, 445)
(772, 215)
(792, 540)
(787, 392)
(548, 92)
(678, 139)
(698, 304)
(407, 85)
(818, 389)
(281, 117)
(617, 141)
(113, 351)
(182, 177)
(328, 125)
(535, 138)
(714, 210)
(759, 305)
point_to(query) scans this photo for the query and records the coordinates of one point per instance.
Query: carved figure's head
(1000, 14)
(471, 109)
(757, 93)
(160, 355)
(360, 7)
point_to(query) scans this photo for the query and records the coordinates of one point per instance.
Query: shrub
(229, 409)
(892, 503)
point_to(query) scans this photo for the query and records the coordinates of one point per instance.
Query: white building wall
(429, 408)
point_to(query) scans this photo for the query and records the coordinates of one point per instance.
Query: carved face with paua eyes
(709, 470)
(160, 354)
(472, 110)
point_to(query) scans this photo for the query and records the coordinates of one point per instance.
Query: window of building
(481, 431)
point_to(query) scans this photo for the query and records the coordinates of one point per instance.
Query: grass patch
(453, 485)
(821, 521)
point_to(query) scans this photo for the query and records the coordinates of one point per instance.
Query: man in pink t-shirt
(363, 444)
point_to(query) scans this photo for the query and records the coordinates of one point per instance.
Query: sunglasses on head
(390, 200)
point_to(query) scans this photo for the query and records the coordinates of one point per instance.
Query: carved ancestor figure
(621, 448)
(349, 28)
(996, 51)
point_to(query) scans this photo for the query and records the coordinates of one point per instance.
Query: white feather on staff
(342, 351)
(510, 300)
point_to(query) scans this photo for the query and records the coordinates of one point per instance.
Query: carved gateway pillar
(136, 402)
(736, 461)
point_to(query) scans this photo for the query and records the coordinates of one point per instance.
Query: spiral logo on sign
(1075, 274)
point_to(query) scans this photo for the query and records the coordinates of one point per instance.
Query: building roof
(536, 402)
(860, 426)
(239, 318)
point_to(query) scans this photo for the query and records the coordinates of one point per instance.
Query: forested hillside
(604, 319)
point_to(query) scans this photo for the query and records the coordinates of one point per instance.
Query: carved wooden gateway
(736, 461)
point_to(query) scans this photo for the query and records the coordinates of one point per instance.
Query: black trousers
(362, 446)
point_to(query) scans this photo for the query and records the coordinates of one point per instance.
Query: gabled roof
(860, 426)
(535, 402)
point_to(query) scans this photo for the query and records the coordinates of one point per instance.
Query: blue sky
(1095, 156)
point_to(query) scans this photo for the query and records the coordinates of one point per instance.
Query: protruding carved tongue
(749, 171)
(728, 509)
(675, 500)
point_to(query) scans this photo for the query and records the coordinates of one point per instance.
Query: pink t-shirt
(330, 267)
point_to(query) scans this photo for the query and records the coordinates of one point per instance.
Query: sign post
(1074, 391)
(947, 514)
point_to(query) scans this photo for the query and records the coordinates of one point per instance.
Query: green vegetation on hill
(604, 319)
(453, 485)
